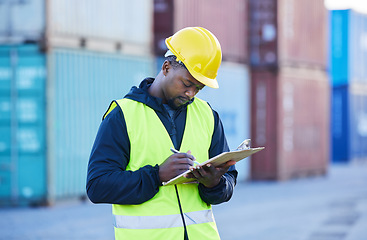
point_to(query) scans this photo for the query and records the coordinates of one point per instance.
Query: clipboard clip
(244, 145)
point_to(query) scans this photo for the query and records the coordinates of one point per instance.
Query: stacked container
(58, 74)
(348, 75)
(22, 124)
(227, 21)
(289, 88)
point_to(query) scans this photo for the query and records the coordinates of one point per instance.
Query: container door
(339, 121)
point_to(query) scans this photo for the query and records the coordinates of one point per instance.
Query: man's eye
(186, 85)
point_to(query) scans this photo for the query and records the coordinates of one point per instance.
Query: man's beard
(177, 102)
(171, 103)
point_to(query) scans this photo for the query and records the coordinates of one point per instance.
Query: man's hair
(174, 63)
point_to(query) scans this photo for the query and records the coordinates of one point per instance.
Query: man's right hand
(174, 165)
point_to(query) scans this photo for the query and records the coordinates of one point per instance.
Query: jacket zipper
(182, 215)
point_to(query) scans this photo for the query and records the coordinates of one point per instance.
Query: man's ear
(166, 66)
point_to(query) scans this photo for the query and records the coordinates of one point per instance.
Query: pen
(176, 151)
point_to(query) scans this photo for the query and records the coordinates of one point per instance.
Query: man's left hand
(208, 175)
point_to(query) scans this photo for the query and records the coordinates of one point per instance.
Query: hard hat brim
(213, 83)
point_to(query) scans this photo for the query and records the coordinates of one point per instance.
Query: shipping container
(283, 33)
(227, 20)
(339, 128)
(349, 123)
(82, 85)
(358, 121)
(108, 26)
(22, 124)
(22, 20)
(101, 25)
(263, 37)
(264, 111)
(302, 32)
(348, 47)
(357, 47)
(290, 117)
(163, 25)
(338, 47)
(348, 75)
(44, 148)
(232, 102)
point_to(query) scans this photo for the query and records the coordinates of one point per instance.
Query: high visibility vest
(160, 217)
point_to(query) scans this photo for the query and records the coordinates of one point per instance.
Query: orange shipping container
(290, 115)
(287, 32)
(302, 28)
(226, 19)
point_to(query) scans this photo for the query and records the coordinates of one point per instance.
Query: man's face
(180, 87)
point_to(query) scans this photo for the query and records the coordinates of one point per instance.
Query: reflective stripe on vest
(163, 221)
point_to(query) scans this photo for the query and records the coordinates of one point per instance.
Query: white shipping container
(357, 34)
(20, 20)
(232, 102)
(101, 25)
(110, 26)
(117, 20)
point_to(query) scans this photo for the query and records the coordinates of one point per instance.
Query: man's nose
(191, 92)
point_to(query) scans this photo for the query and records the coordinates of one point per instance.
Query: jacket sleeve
(107, 178)
(224, 190)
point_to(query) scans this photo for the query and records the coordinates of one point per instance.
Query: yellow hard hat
(200, 51)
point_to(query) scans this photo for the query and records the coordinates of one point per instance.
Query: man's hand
(174, 165)
(208, 175)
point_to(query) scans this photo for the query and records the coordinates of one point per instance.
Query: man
(131, 156)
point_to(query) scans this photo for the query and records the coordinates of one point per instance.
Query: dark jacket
(107, 180)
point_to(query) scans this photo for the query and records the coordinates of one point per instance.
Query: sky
(357, 5)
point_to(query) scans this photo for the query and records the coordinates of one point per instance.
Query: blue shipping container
(349, 123)
(339, 123)
(22, 124)
(348, 47)
(338, 46)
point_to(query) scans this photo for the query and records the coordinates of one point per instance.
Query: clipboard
(236, 155)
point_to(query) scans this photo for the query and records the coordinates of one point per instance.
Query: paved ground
(321, 208)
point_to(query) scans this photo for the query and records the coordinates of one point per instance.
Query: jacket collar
(141, 94)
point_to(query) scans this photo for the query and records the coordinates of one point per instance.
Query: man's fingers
(231, 163)
(227, 164)
(184, 155)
